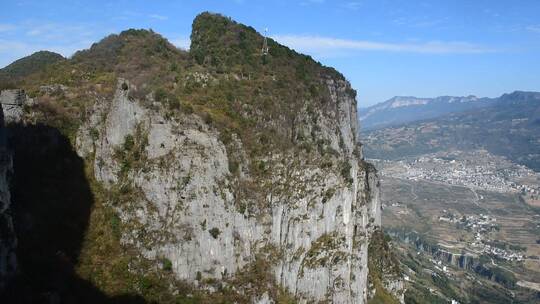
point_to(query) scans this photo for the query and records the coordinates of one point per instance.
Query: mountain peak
(29, 65)
(520, 95)
(401, 109)
(132, 45)
(223, 43)
(219, 41)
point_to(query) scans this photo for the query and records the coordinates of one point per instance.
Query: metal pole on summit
(265, 43)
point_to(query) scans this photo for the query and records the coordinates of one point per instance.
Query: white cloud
(533, 28)
(327, 46)
(352, 5)
(181, 42)
(4, 27)
(35, 36)
(421, 22)
(36, 31)
(309, 2)
(11, 50)
(59, 32)
(158, 17)
(6, 46)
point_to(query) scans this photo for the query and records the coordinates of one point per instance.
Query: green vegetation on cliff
(269, 104)
(508, 126)
(224, 78)
(23, 67)
(383, 267)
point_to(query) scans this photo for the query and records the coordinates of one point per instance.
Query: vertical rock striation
(12, 104)
(225, 167)
(8, 240)
(312, 224)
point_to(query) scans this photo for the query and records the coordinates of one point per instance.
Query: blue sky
(385, 48)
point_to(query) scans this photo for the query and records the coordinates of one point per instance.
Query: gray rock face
(8, 241)
(12, 104)
(313, 223)
(396, 287)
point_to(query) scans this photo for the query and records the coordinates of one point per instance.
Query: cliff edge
(231, 171)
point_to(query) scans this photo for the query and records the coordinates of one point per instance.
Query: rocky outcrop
(385, 277)
(12, 104)
(221, 168)
(482, 265)
(8, 240)
(404, 109)
(313, 224)
(462, 260)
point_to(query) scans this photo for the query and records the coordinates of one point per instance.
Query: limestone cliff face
(8, 240)
(12, 102)
(311, 223)
(227, 169)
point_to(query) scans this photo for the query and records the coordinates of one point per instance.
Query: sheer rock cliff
(313, 224)
(225, 169)
(8, 240)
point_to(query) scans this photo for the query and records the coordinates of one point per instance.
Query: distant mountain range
(507, 126)
(403, 109)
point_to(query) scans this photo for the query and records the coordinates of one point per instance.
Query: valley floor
(462, 219)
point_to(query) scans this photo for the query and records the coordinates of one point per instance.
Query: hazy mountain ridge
(404, 109)
(465, 168)
(509, 126)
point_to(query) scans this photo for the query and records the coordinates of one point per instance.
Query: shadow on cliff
(52, 201)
